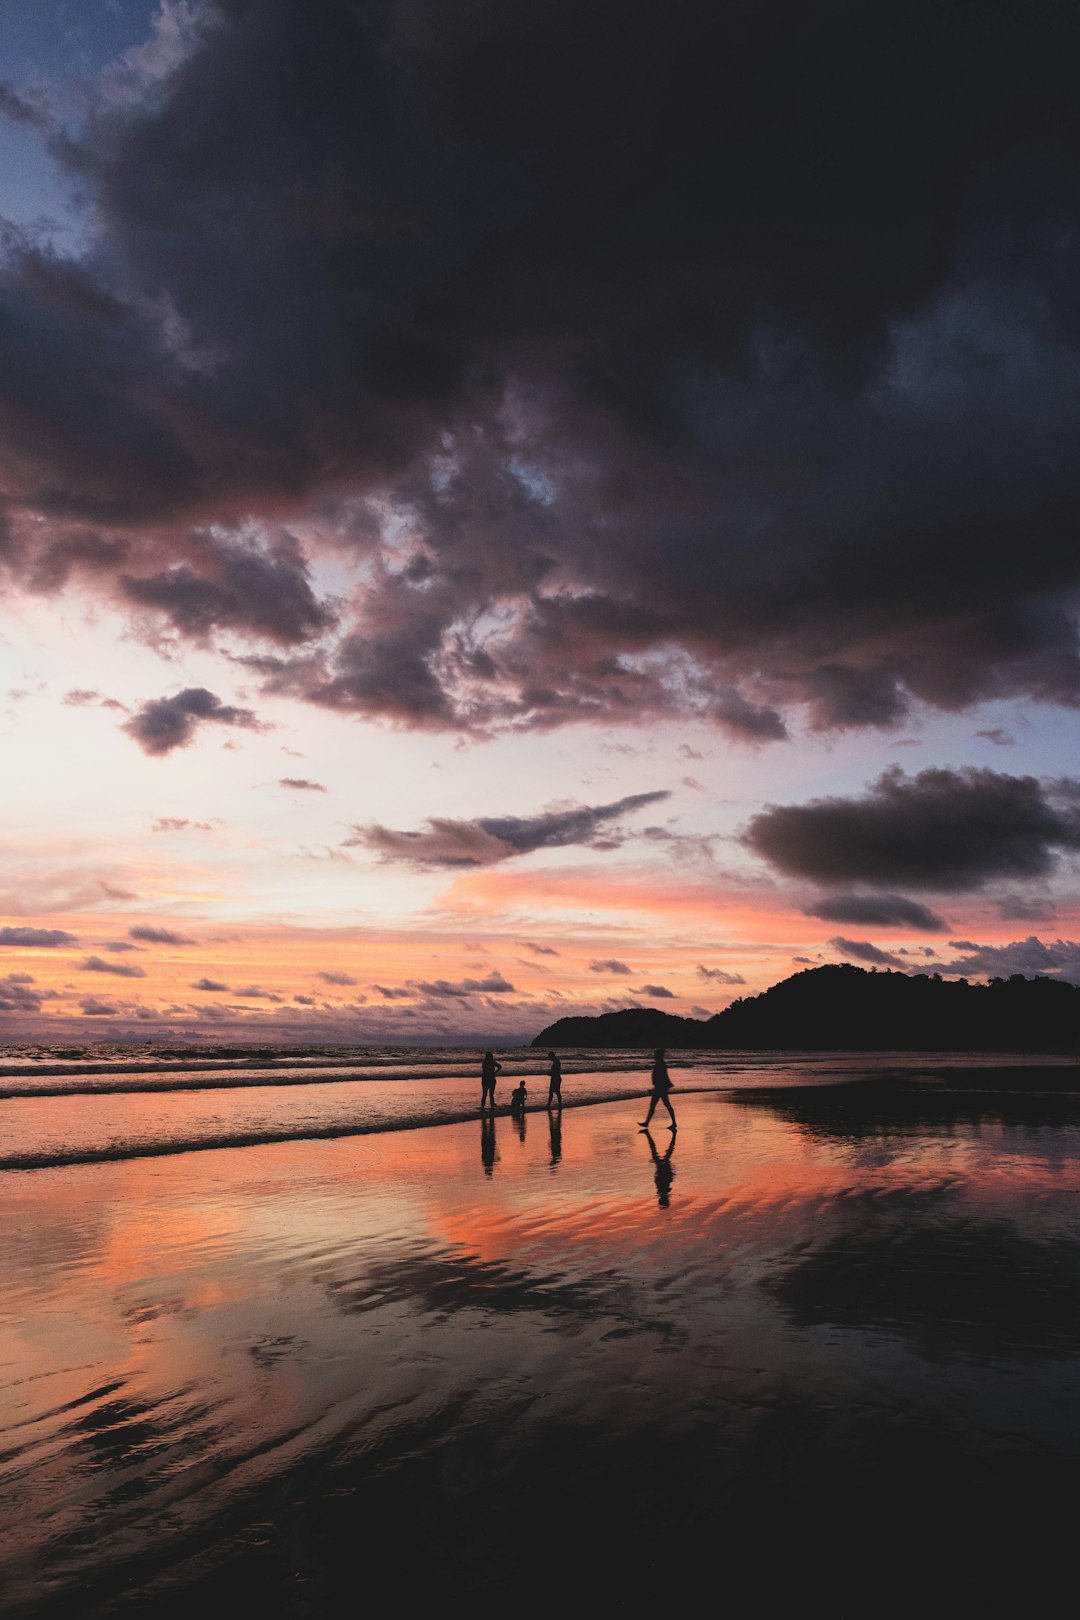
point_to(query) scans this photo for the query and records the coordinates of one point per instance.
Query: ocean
(297, 1334)
(75, 1105)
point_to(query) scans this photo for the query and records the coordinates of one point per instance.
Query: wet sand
(826, 1349)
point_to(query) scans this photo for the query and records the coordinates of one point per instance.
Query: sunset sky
(516, 509)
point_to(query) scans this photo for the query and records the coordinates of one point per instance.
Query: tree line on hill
(842, 1007)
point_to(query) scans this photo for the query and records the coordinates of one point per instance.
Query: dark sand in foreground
(826, 1350)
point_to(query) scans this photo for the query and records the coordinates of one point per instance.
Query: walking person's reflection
(487, 1143)
(665, 1170)
(555, 1127)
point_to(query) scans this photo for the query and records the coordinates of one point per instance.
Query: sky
(513, 510)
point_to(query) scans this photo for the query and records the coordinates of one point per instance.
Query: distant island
(840, 1007)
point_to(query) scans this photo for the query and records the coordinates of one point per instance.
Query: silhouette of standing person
(555, 1082)
(488, 1070)
(555, 1127)
(487, 1143)
(665, 1170)
(661, 1088)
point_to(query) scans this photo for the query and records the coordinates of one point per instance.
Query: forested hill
(840, 1007)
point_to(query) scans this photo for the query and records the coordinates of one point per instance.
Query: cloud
(659, 992)
(122, 970)
(18, 994)
(491, 839)
(79, 697)
(693, 400)
(494, 984)
(876, 910)
(336, 978)
(539, 950)
(152, 935)
(301, 784)
(1056, 959)
(950, 831)
(610, 964)
(863, 951)
(304, 1001)
(393, 992)
(259, 591)
(255, 992)
(209, 984)
(118, 946)
(36, 938)
(718, 975)
(1023, 908)
(998, 736)
(167, 723)
(168, 824)
(93, 1008)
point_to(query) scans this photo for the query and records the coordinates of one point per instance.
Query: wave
(57, 1158)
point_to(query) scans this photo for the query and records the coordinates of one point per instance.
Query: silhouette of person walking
(555, 1082)
(661, 1088)
(488, 1070)
(665, 1170)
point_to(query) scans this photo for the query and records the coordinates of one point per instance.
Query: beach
(824, 1336)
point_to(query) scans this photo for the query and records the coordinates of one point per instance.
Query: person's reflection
(487, 1143)
(555, 1127)
(665, 1170)
(520, 1118)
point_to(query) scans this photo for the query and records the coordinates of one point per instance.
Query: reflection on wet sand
(665, 1170)
(260, 1377)
(488, 1155)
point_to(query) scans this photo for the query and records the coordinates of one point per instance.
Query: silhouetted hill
(841, 1007)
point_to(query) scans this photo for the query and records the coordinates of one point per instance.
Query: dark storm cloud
(637, 357)
(238, 587)
(122, 970)
(863, 951)
(50, 938)
(876, 910)
(490, 839)
(152, 935)
(171, 722)
(943, 830)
